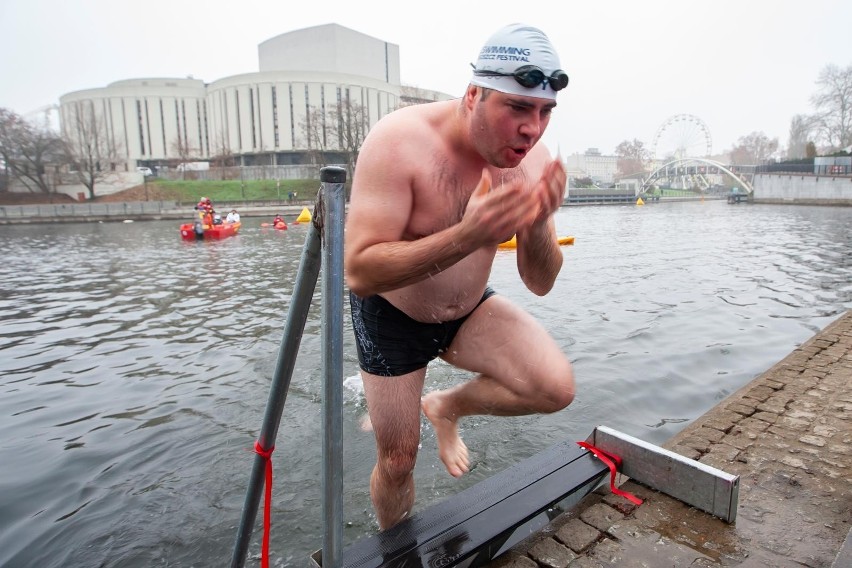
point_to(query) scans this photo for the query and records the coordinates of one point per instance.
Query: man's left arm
(539, 255)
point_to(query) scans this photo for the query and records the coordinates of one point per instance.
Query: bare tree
(316, 135)
(222, 155)
(27, 149)
(833, 102)
(810, 150)
(802, 130)
(88, 148)
(10, 136)
(352, 127)
(342, 128)
(633, 157)
(752, 149)
(7, 144)
(184, 151)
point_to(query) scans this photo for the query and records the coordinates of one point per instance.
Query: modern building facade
(253, 118)
(139, 120)
(594, 165)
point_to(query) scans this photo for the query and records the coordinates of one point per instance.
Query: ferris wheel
(682, 136)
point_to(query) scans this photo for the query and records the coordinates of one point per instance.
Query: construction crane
(46, 116)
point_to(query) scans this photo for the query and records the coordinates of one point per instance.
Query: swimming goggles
(530, 76)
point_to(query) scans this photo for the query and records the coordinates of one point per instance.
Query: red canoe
(187, 231)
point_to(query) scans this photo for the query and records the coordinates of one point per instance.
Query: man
(205, 211)
(437, 188)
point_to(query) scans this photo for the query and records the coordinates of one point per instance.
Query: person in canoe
(205, 211)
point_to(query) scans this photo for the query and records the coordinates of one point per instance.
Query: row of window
(177, 128)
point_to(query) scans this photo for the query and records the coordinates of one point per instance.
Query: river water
(135, 368)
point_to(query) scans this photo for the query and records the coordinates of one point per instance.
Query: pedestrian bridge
(698, 173)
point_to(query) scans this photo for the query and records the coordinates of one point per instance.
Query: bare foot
(451, 449)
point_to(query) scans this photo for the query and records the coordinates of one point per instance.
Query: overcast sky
(739, 65)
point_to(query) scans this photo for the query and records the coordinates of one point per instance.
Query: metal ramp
(475, 526)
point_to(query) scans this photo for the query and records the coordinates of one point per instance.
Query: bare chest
(441, 195)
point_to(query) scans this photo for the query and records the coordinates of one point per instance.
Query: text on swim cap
(505, 53)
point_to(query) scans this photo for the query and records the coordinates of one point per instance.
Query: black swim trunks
(391, 344)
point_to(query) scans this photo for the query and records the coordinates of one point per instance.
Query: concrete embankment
(787, 434)
(136, 211)
(803, 189)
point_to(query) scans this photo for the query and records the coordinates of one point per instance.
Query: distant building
(632, 182)
(601, 169)
(258, 118)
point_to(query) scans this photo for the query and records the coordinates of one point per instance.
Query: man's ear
(470, 95)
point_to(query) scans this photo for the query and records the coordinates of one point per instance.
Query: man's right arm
(377, 259)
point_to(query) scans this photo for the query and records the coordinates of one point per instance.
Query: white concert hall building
(257, 118)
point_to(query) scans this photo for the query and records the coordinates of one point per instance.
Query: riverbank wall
(802, 189)
(137, 211)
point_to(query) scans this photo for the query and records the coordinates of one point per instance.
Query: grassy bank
(235, 190)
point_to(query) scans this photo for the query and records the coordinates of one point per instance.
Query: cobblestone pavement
(787, 434)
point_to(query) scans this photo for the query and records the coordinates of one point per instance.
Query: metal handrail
(326, 230)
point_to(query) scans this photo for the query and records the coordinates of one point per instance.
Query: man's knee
(398, 463)
(558, 391)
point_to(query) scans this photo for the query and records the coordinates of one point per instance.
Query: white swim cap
(513, 47)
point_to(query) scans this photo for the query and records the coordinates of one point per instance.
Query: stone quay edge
(787, 434)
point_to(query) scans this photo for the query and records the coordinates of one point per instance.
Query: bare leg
(522, 371)
(393, 403)
(481, 395)
(451, 449)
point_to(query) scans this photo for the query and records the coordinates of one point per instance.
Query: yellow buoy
(304, 216)
(513, 242)
(640, 202)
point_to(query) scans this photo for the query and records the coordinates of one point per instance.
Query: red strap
(267, 501)
(613, 462)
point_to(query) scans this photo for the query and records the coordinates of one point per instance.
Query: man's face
(505, 127)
